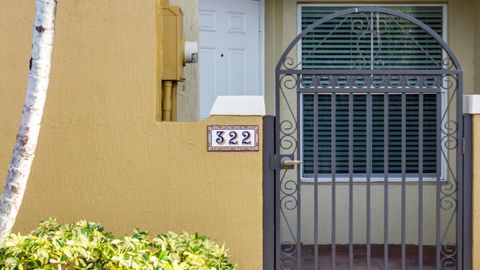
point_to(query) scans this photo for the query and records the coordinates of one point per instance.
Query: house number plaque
(232, 138)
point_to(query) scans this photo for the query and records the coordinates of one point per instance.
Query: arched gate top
(450, 61)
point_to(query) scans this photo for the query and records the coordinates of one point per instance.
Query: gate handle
(287, 162)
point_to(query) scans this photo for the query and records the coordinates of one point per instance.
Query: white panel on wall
(208, 77)
(236, 71)
(207, 20)
(236, 22)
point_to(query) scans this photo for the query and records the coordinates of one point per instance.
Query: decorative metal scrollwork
(368, 72)
(359, 82)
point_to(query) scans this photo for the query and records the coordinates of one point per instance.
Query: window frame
(374, 178)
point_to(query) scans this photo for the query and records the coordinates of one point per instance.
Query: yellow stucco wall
(476, 192)
(101, 155)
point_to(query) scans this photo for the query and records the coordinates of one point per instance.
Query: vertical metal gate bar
(467, 195)
(420, 179)
(369, 166)
(403, 206)
(350, 181)
(277, 175)
(439, 175)
(334, 165)
(299, 191)
(459, 173)
(315, 176)
(268, 193)
(385, 179)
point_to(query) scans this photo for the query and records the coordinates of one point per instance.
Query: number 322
(233, 138)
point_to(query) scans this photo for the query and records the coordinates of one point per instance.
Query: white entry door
(229, 50)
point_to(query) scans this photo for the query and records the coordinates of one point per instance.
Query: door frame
(261, 45)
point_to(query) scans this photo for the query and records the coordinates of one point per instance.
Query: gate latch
(284, 162)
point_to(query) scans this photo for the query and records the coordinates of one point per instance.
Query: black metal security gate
(368, 152)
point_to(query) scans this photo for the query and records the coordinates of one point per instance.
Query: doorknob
(287, 162)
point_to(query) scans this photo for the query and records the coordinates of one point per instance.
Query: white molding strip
(471, 104)
(238, 105)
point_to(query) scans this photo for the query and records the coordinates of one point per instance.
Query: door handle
(288, 163)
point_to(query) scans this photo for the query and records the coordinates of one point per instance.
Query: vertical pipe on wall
(174, 101)
(159, 32)
(167, 101)
(159, 101)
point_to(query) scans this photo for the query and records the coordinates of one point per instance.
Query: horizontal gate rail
(368, 72)
(367, 91)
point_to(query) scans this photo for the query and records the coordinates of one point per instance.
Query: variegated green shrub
(86, 245)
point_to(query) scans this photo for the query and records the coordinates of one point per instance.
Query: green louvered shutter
(341, 48)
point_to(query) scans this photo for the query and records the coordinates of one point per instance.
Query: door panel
(229, 50)
(208, 67)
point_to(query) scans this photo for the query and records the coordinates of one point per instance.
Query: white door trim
(261, 33)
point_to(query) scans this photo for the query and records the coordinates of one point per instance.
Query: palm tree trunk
(27, 136)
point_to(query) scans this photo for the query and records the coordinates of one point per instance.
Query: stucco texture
(101, 155)
(188, 90)
(476, 192)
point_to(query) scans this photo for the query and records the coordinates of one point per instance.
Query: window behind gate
(398, 45)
